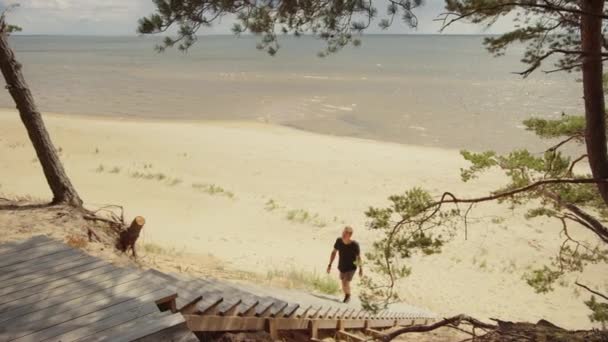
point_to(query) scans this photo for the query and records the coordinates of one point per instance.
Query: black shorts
(348, 276)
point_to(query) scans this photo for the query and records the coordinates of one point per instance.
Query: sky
(119, 17)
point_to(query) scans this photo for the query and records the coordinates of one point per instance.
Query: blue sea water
(431, 90)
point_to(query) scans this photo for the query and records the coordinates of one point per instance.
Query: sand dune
(266, 197)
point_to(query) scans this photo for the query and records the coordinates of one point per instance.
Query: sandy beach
(262, 197)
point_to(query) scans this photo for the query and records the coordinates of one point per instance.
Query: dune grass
(303, 216)
(297, 278)
(154, 248)
(212, 189)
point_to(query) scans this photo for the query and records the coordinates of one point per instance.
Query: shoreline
(241, 123)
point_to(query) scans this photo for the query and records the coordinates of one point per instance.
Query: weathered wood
(108, 318)
(317, 313)
(381, 323)
(313, 330)
(271, 329)
(221, 323)
(375, 333)
(291, 313)
(17, 246)
(212, 309)
(280, 311)
(176, 333)
(48, 271)
(353, 323)
(35, 265)
(47, 284)
(190, 307)
(349, 336)
(101, 320)
(327, 323)
(305, 312)
(67, 291)
(231, 310)
(138, 328)
(250, 311)
(34, 253)
(128, 237)
(265, 312)
(19, 308)
(69, 310)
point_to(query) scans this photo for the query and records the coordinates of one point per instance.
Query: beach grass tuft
(271, 205)
(303, 216)
(212, 189)
(297, 278)
(159, 176)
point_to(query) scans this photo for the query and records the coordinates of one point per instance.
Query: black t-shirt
(348, 254)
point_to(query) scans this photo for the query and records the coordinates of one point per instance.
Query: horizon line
(17, 34)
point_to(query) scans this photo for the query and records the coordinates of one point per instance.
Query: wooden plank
(250, 311)
(69, 310)
(353, 323)
(35, 265)
(190, 307)
(175, 333)
(232, 309)
(290, 323)
(48, 271)
(121, 313)
(375, 333)
(97, 321)
(271, 329)
(313, 330)
(305, 312)
(17, 246)
(327, 323)
(19, 309)
(221, 323)
(381, 323)
(66, 291)
(280, 311)
(348, 336)
(211, 309)
(317, 313)
(33, 253)
(137, 328)
(266, 311)
(291, 312)
(89, 271)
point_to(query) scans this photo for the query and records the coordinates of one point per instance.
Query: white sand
(336, 178)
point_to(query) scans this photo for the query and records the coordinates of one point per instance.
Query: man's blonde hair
(348, 229)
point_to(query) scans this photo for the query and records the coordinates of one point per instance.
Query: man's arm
(359, 261)
(332, 257)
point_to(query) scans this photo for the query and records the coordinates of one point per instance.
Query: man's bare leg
(346, 289)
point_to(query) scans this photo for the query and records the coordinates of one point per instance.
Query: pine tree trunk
(62, 188)
(593, 90)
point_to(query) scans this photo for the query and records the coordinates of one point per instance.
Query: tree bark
(593, 91)
(61, 187)
(129, 236)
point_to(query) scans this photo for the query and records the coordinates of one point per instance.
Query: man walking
(349, 257)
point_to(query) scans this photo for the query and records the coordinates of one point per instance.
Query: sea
(431, 90)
